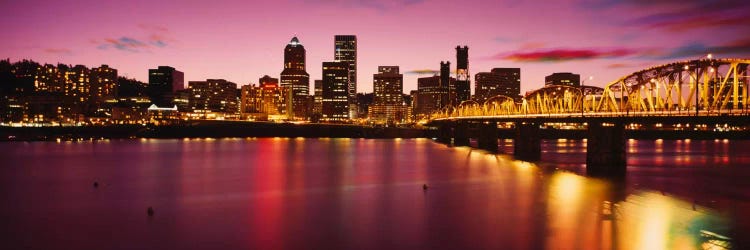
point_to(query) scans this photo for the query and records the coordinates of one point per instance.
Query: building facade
(335, 104)
(463, 79)
(295, 77)
(163, 82)
(499, 81)
(388, 103)
(563, 78)
(213, 96)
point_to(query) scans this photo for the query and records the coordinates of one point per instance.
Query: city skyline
(230, 44)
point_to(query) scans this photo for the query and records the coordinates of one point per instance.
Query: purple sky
(243, 40)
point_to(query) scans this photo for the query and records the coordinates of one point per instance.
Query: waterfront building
(463, 80)
(213, 96)
(295, 77)
(163, 83)
(335, 104)
(499, 81)
(388, 103)
(563, 78)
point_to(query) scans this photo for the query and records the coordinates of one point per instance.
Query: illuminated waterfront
(367, 194)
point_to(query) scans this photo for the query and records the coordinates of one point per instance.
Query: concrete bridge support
(444, 134)
(488, 135)
(605, 150)
(527, 145)
(461, 134)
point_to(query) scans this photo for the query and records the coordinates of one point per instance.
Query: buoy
(150, 211)
(424, 187)
(96, 184)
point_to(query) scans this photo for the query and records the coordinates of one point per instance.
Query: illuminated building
(463, 80)
(213, 96)
(388, 103)
(563, 78)
(103, 87)
(449, 83)
(77, 87)
(49, 79)
(295, 77)
(263, 101)
(335, 104)
(345, 50)
(318, 105)
(431, 95)
(163, 82)
(500, 81)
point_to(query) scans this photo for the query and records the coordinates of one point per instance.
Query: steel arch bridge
(695, 87)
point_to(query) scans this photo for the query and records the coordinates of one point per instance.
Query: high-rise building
(500, 81)
(432, 94)
(463, 79)
(103, 83)
(77, 87)
(213, 95)
(335, 95)
(388, 103)
(318, 106)
(449, 83)
(295, 77)
(563, 78)
(49, 79)
(346, 51)
(163, 82)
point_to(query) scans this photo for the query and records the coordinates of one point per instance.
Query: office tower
(430, 95)
(213, 95)
(346, 51)
(388, 103)
(500, 81)
(563, 78)
(163, 82)
(295, 77)
(318, 106)
(463, 81)
(449, 83)
(335, 104)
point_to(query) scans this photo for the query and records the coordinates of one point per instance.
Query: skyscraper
(388, 103)
(563, 78)
(318, 106)
(463, 81)
(103, 83)
(163, 82)
(500, 81)
(335, 96)
(295, 77)
(345, 50)
(448, 85)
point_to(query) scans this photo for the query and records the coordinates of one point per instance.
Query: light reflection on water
(367, 194)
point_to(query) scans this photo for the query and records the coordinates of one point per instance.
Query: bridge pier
(461, 134)
(444, 133)
(605, 149)
(488, 135)
(527, 145)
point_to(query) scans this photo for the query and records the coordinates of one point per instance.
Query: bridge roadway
(606, 141)
(731, 117)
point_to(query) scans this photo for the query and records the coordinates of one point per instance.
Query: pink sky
(243, 40)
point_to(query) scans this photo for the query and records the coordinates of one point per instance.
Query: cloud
(381, 5)
(124, 43)
(423, 72)
(678, 15)
(695, 49)
(566, 54)
(58, 51)
(155, 37)
(618, 66)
